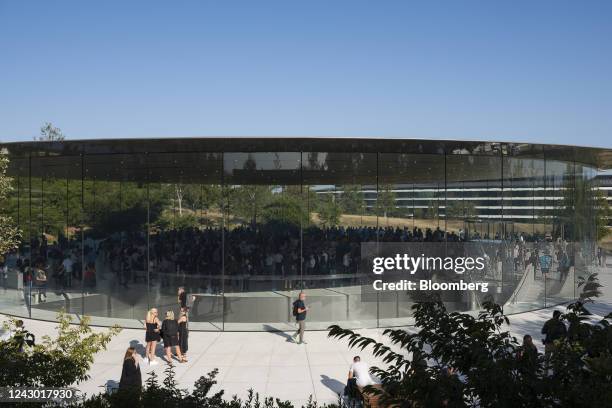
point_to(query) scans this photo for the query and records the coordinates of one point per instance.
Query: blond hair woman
(152, 336)
(171, 337)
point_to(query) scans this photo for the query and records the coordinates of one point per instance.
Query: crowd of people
(279, 251)
(283, 256)
(550, 258)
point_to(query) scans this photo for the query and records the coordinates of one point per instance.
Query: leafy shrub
(169, 395)
(58, 362)
(458, 360)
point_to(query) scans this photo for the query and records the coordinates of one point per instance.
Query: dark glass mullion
(42, 203)
(19, 198)
(121, 234)
(29, 290)
(377, 233)
(224, 213)
(445, 201)
(501, 192)
(573, 237)
(301, 260)
(67, 215)
(148, 234)
(82, 218)
(545, 215)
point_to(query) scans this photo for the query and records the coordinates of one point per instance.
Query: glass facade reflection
(245, 224)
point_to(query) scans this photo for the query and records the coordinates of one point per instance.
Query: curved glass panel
(244, 226)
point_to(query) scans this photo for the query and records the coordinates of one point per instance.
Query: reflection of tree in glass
(286, 209)
(352, 199)
(9, 234)
(329, 211)
(385, 201)
(313, 161)
(460, 209)
(247, 201)
(583, 211)
(433, 209)
(249, 163)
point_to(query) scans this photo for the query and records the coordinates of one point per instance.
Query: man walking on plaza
(299, 311)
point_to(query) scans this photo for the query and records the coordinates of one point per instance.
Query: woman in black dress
(130, 374)
(183, 330)
(152, 336)
(170, 336)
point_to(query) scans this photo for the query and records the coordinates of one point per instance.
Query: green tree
(123, 206)
(433, 209)
(461, 360)
(50, 133)
(583, 212)
(171, 220)
(603, 215)
(420, 213)
(460, 209)
(168, 394)
(54, 362)
(198, 197)
(352, 199)
(287, 209)
(329, 211)
(248, 201)
(9, 233)
(385, 202)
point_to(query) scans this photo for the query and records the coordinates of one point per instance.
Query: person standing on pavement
(4, 272)
(182, 298)
(130, 373)
(183, 330)
(299, 311)
(554, 329)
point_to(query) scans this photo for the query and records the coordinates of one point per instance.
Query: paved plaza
(269, 362)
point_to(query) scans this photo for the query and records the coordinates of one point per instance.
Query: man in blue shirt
(299, 311)
(545, 262)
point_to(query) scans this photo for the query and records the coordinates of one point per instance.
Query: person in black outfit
(554, 329)
(182, 298)
(528, 352)
(130, 374)
(152, 336)
(170, 336)
(183, 330)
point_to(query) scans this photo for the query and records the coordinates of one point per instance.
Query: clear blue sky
(536, 71)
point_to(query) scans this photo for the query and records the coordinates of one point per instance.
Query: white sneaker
(146, 361)
(154, 362)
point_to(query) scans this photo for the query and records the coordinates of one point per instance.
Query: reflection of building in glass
(245, 224)
(526, 198)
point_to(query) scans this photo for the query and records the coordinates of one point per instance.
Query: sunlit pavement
(269, 362)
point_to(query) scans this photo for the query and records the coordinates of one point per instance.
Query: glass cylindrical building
(245, 224)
